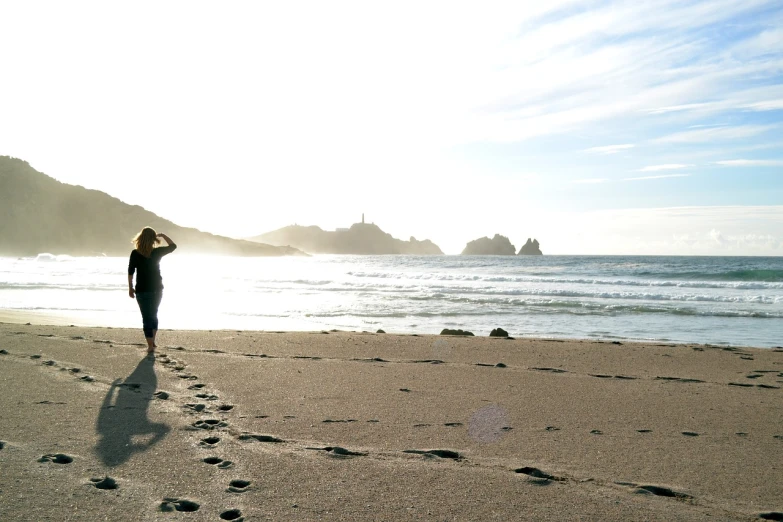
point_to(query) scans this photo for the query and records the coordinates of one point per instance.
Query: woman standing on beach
(145, 261)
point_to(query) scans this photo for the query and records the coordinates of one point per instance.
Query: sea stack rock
(530, 248)
(497, 246)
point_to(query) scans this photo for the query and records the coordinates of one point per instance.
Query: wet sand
(226, 425)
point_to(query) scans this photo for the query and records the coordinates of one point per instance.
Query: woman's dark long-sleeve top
(148, 278)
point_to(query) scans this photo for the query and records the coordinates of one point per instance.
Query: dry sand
(349, 426)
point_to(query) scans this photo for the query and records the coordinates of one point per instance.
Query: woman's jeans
(148, 304)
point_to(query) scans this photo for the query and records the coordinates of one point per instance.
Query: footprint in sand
(209, 442)
(542, 478)
(217, 461)
(441, 453)
(104, 483)
(196, 386)
(161, 395)
(170, 504)
(57, 458)
(2, 444)
(209, 424)
(662, 491)
(238, 486)
(337, 451)
(772, 515)
(259, 438)
(206, 396)
(232, 514)
(225, 407)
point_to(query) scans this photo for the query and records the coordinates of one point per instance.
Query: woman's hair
(146, 240)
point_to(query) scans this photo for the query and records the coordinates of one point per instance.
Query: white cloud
(750, 163)
(667, 166)
(660, 176)
(716, 133)
(766, 105)
(677, 108)
(609, 149)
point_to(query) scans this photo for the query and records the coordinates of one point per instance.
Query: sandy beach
(232, 425)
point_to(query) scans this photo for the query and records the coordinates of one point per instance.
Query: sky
(598, 127)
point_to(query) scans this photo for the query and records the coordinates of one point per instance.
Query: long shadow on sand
(123, 426)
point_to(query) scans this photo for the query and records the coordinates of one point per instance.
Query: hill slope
(361, 238)
(40, 214)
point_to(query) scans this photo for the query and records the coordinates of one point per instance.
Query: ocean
(716, 300)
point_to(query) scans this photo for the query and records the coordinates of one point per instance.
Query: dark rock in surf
(447, 331)
(498, 332)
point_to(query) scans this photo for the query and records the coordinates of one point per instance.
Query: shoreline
(8, 316)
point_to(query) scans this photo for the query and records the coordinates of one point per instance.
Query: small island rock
(531, 248)
(484, 246)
